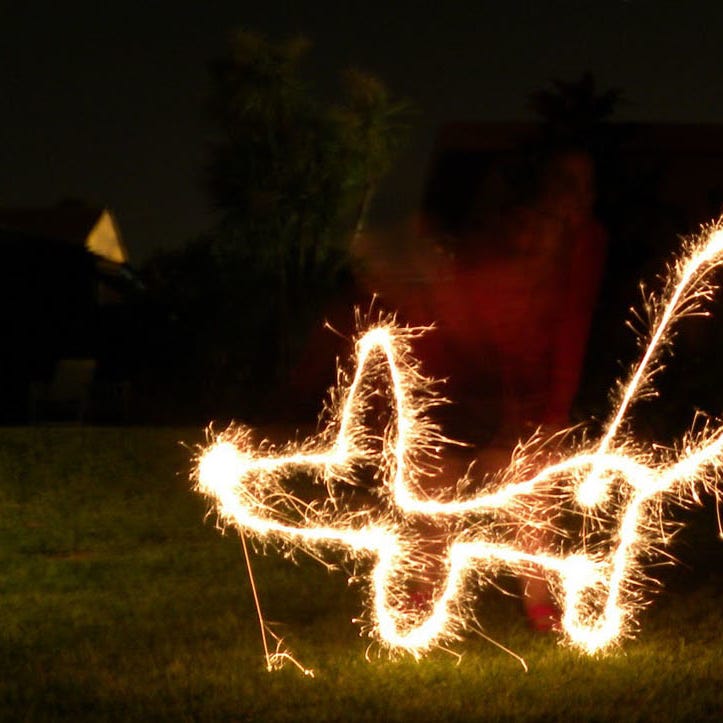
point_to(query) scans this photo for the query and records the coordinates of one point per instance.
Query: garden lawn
(119, 600)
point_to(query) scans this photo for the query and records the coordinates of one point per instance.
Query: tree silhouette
(292, 176)
(575, 112)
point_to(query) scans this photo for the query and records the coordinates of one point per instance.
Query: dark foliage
(291, 176)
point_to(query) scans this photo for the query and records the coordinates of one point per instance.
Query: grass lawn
(120, 602)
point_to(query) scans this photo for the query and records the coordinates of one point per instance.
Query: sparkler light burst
(597, 511)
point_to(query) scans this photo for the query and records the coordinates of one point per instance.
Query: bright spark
(612, 489)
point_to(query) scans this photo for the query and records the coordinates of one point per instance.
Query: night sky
(104, 101)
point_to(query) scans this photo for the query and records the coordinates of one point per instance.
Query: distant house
(73, 223)
(65, 273)
(655, 183)
(678, 167)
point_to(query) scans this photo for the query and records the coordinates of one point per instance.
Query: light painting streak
(612, 490)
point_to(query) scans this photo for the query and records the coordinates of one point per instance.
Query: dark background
(104, 101)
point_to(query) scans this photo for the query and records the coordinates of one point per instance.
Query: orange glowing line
(596, 587)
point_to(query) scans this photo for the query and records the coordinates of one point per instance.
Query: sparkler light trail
(599, 508)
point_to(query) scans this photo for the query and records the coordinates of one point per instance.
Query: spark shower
(599, 507)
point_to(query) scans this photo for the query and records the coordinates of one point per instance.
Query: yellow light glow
(613, 488)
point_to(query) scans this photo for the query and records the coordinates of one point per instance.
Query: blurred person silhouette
(512, 301)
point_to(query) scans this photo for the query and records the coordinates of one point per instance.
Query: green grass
(119, 601)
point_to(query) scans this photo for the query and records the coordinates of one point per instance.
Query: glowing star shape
(611, 490)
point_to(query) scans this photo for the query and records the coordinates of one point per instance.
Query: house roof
(70, 222)
(684, 160)
(669, 137)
